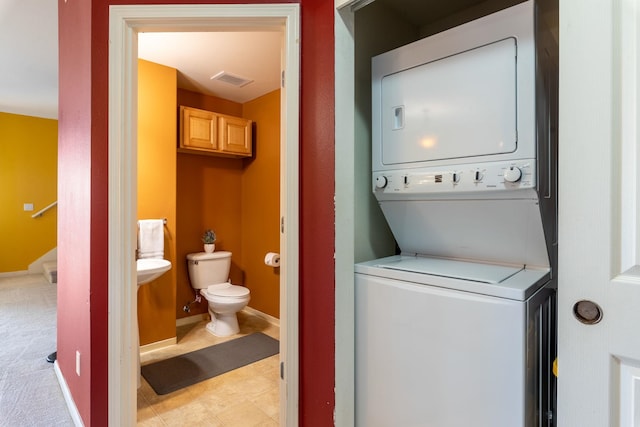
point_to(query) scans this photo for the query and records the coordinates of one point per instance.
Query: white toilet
(209, 274)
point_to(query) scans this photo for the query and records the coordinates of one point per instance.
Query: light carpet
(29, 391)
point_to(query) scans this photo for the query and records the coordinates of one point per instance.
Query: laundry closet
(455, 243)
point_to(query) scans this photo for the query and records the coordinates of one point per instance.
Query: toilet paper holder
(272, 259)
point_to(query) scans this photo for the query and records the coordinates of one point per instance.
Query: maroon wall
(82, 226)
(83, 196)
(317, 216)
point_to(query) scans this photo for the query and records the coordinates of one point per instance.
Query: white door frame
(124, 24)
(345, 118)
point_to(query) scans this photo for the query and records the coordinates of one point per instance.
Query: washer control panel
(469, 178)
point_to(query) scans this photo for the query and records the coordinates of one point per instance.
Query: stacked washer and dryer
(458, 329)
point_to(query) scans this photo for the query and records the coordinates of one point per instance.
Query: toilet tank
(208, 268)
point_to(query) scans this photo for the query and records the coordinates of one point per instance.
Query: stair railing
(43, 210)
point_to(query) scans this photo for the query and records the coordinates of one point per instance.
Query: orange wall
(157, 86)
(230, 196)
(28, 174)
(261, 204)
(211, 103)
(208, 196)
(238, 198)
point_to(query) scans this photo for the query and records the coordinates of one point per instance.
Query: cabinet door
(235, 135)
(199, 129)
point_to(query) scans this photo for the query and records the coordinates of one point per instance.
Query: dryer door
(459, 106)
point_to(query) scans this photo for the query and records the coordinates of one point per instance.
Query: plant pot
(209, 247)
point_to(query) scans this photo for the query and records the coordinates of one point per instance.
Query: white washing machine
(458, 329)
(446, 343)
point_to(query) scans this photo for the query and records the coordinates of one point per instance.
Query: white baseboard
(158, 345)
(273, 320)
(192, 319)
(172, 341)
(14, 273)
(71, 405)
(198, 318)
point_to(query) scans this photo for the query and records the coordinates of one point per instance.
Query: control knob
(512, 174)
(381, 181)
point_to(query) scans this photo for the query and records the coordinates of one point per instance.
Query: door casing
(125, 22)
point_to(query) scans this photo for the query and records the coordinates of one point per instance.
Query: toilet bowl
(225, 300)
(209, 275)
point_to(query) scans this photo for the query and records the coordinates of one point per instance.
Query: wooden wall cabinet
(198, 129)
(209, 133)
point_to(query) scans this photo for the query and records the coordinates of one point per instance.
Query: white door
(599, 256)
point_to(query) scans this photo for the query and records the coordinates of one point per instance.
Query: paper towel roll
(272, 259)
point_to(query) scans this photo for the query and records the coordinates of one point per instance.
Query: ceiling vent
(236, 81)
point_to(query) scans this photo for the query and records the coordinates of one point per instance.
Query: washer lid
(477, 272)
(518, 287)
(227, 291)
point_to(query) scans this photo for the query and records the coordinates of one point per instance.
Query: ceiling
(199, 56)
(29, 59)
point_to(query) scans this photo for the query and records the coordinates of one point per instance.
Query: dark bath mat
(182, 371)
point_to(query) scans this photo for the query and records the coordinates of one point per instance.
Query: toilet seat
(227, 291)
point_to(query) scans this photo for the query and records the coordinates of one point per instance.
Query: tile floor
(247, 396)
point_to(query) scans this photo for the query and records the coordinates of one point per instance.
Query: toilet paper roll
(272, 259)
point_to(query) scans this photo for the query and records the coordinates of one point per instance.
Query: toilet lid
(203, 256)
(228, 291)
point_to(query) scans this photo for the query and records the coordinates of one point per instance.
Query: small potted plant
(209, 238)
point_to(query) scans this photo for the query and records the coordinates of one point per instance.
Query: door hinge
(282, 82)
(282, 370)
(282, 224)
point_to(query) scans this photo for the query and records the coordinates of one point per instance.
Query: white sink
(151, 268)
